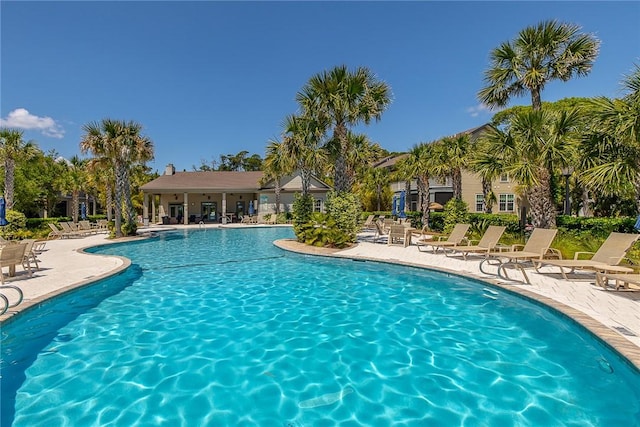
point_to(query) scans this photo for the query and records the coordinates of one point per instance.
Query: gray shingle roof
(205, 182)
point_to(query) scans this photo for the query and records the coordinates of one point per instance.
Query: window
(507, 202)
(504, 177)
(479, 202)
(317, 205)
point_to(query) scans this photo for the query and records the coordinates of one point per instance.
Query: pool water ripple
(296, 340)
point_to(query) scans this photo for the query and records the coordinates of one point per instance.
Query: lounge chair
(56, 232)
(369, 223)
(85, 225)
(10, 256)
(398, 235)
(29, 254)
(622, 281)
(380, 231)
(455, 238)
(485, 245)
(71, 229)
(537, 248)
(604, 260)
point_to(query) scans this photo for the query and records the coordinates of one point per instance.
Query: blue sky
(209, 78)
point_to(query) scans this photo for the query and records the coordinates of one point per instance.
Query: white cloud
(478, 109)
(22, 119)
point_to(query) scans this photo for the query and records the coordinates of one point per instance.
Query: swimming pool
(219, 327)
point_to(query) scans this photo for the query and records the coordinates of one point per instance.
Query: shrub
(344, 209)
(456, 211)
(322, 230)
(302, 210)
(16, 229)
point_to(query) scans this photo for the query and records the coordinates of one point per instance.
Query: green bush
(456, 211)
(17, 227)
(322, 230)
(344, 209)
(302, 211)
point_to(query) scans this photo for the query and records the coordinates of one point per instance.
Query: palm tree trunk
(277, 190)
(407, 195)
(423, 191)
(75, 200)
(340, 173)
(543, 212)
(126, 191)
(486, 192)
(305, 174)
(9, 174)
(118, 207)
(456, 183)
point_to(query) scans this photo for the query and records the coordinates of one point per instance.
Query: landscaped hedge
(596, 226)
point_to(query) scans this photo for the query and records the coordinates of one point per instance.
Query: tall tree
(539, 54)
(276, 165)
(302, 144)
(122, 145)
(420, 164)
(545, 142)
(451, 157)
(12, 147)
(344, 99)
(611, 147)
(489, 158)
(74, 180)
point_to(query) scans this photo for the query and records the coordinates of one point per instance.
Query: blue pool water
(218, 327)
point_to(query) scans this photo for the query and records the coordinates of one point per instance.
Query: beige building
(220, 196)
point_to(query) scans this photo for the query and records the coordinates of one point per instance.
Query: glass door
(209, 211)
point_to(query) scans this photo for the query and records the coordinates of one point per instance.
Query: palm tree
(344, 99)
(539, 54)
(611, 147)
(379, 179)
(74, 180)
(276, 165)
(120, 144)
(451, 153)
(544, 143)
(489, 158)
(420, 164)
(12, 147)
(301, 144)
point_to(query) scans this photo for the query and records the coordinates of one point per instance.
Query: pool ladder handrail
(5, 300)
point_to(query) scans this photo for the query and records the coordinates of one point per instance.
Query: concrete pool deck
(611, 315)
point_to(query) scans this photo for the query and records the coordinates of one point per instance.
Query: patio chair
(604, 260)
(485, 245)
(56, 232)
(29, 254)
(85, 225)
(398, 235)
(380, 231)
(369, 223)
(10, 256)
(622, 281)
(455, 238)
(537, 248)
(71, 229)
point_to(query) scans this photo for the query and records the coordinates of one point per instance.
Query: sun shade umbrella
(637, 226)
(394, 205)
(83, 211)
(251, 209)
(3, 212)
(401, 204)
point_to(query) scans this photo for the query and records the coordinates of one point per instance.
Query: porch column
(185, 220)
(224, 208)
(145, 209)
(153, 209)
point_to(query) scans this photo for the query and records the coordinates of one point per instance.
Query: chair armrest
(517, 247)
(552, 253)
(577, 254)
(472, 242)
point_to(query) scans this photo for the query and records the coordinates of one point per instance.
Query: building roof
(205, 181)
